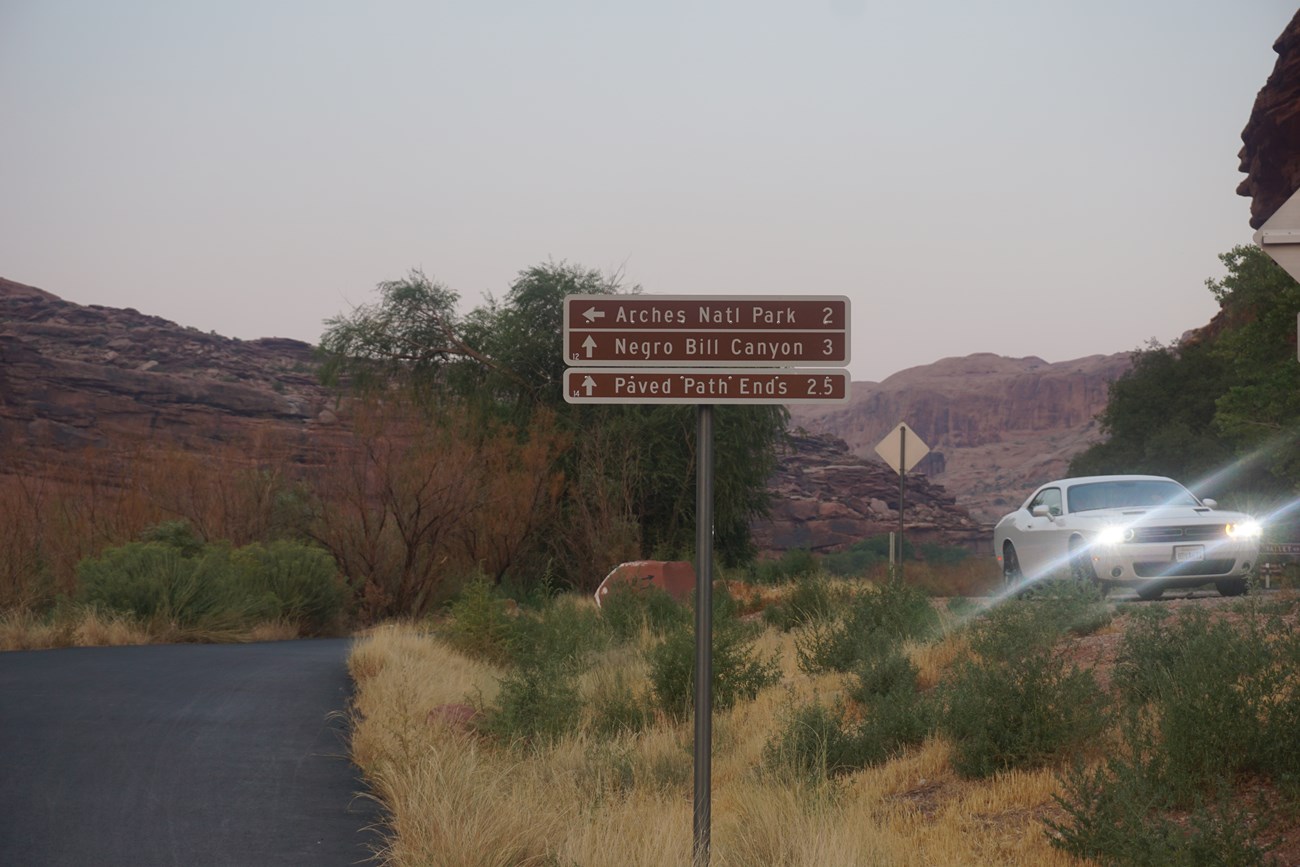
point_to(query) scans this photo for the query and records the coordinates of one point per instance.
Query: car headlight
(1113, 535)
(1245, 530)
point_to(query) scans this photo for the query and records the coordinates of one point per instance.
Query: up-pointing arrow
(589, 344)
(591, 314)
(590, 384)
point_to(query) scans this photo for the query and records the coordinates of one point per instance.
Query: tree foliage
(629, 470)
(1221, 410)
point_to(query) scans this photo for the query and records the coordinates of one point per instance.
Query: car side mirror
(1210, 504)
(1042, 512)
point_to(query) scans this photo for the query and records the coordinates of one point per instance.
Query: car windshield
(1142, 494)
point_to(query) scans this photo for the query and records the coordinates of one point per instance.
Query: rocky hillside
(825, 499)
(73, 376)
(996, 426)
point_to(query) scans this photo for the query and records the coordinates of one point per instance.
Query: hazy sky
(1026, 177)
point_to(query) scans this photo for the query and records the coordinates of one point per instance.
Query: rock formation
(824, 499)
(997, 427)
(1270, 153)
(73, 376)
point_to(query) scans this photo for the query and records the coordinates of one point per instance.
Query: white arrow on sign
(589, 344)
(591, 314)
(590, 384)
(902, 445)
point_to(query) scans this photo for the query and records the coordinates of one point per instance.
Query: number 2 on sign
(826, 316)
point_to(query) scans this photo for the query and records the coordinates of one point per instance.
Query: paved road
(188, 755)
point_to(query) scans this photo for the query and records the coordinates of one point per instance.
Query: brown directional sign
(695, 330)
(711, 385)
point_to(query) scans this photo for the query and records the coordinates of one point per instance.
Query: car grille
(1196, 532)
(1165, 569)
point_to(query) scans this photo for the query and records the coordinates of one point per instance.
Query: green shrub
(944, 555)
(874, 620)
(1224, 695)
(294, 581)
(626, 610)
(535, 703)
(793, 564)
(861, 557)
(815, 742)
(175, 534)
(616, 708)
(157, 582)
(811, 599)
(1119, 815)
(1016, 703)
(737, 671)
(561, 635)
(480, 624)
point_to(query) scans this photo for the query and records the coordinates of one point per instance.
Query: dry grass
(456, 800)
(84, 627)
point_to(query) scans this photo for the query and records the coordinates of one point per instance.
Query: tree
(1221, 410)
(506, 359)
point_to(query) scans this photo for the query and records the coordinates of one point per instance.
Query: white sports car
(1148, 532)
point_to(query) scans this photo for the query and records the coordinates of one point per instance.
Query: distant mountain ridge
(75, 376)
(996, 426)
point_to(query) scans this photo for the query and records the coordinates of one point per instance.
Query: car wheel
(1081, 569)
(1233, 587)
(1150, 592)
(1011, 575)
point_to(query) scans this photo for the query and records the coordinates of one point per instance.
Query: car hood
(1161, 516)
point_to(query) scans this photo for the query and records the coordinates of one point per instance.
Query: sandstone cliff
(996, 426)
(73, 376)
(1270, 153)
(824, 498)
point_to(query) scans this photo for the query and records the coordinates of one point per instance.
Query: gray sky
(1027, 177)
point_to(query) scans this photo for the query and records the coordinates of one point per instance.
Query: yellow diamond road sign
(902, 449)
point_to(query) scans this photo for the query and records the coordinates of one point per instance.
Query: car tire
(1231, 587)
(1012, 577)
(1150, 592)
(1081, 568)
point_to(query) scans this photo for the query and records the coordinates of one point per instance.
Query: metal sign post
(703, 635)
(895, 446)
(705, 350)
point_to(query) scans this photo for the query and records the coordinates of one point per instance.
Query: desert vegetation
(864, 724)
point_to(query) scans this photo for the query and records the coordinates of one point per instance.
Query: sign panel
(891, 448)
(695, 330)
(1280, 236)
(1280, 549)
(704, 386)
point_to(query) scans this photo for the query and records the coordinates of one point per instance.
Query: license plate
(1189, 553)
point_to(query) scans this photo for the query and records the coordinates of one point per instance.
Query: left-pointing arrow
(591, 314)
(589, 344)
(589, 384)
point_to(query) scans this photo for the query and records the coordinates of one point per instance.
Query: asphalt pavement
(192, 755)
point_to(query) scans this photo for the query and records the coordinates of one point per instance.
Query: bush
(793, 564)
(1118, 814)
(626, 610)
(1016, 704)
(480, 625)
(157, 582)
(1224, 695)
(616, 708)
(560, 636)
(815, 742)
(536, 702)
(810, 599)
(294, 581)
(875, 619)
(737, 671)
(861, 557)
